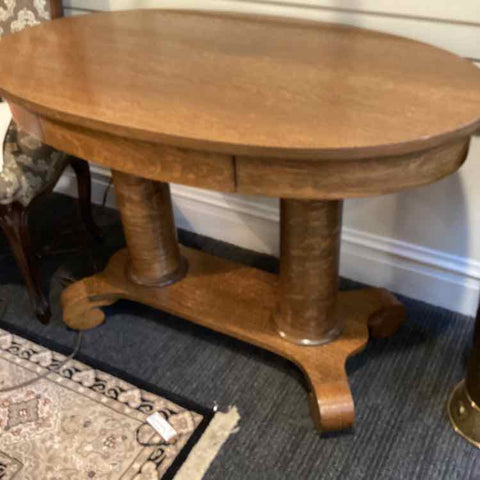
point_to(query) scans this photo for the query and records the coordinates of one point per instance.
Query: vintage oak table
(311, 113)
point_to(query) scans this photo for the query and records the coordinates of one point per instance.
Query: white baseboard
(425, 274)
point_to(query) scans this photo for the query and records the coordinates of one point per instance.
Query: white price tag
(161, 426)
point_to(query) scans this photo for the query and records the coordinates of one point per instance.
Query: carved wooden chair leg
(14, 223)
(82, 172)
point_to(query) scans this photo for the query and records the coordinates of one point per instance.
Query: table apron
(274, 177)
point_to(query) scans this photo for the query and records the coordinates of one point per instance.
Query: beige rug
(81, 423)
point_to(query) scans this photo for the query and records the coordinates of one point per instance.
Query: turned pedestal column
(306, 310)
(309, 258)
(149, 227)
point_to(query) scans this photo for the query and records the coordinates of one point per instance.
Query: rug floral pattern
(79, 423)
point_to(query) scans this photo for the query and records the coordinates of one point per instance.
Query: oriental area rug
(79, 422)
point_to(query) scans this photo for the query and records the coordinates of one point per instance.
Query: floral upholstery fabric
(15, 15)
(28, 167)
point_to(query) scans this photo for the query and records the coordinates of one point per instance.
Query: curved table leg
(320, 328)
(331, 405)
(331, 402)
(82, 302)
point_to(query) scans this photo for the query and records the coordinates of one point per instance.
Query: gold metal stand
(464, 402)
(464, 414)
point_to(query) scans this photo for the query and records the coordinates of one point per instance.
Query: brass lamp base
(464, 414)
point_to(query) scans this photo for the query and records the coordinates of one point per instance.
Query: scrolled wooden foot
(82, 303)
(330, 398)
(389, 314)
(331, 406)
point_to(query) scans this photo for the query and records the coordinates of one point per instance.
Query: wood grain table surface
(242, 84)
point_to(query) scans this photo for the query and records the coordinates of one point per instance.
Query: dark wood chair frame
(14, 220)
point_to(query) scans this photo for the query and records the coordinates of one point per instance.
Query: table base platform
(240, 301)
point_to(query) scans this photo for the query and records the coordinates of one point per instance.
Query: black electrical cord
(78, 343)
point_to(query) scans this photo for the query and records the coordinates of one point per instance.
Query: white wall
(424, 243)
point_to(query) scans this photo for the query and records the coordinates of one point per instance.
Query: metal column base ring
(464, 414)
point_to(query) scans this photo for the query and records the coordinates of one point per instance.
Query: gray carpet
(400, 385)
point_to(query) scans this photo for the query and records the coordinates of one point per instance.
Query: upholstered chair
(31, 169)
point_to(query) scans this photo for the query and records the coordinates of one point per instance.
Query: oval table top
(242, 85)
